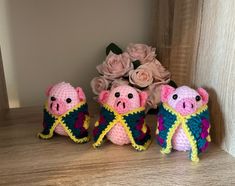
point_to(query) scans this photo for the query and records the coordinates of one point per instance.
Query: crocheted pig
(66, 113)
(183, 120)
(122, 118)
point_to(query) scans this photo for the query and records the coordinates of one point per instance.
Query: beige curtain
(175, 33)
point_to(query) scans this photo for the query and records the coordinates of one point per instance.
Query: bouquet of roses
(137, 66)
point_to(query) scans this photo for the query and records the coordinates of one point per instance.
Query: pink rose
(141, 77)
(141, 52)
(98, 84)
(119, 82)
(115, 66)
(160, 74)
(154, 95)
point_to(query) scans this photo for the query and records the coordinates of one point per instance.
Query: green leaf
(136, 64)
(173, 84)
(114, 48)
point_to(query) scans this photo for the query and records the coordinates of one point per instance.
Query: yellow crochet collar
(111, 109)
(79, 105)
(173, 111)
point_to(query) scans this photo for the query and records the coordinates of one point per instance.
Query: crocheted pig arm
(103, 125)
(48, 125)
(199, 126)
(76, 123)
(138, 131)
(205, 120)
(167, 121)
(166, 127)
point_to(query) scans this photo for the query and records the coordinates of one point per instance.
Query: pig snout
(57, 107)
(122, 105)
(186, 106)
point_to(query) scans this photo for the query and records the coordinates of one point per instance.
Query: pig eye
(175, 96)
(130, 95)
(117, 94)
(53, 98)
(198, 98)
(68, 100)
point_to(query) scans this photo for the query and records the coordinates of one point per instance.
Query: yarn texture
(74, 122)
(180, 140)
(133, 123)
(196, 127)
(183, 120)
(118, 135)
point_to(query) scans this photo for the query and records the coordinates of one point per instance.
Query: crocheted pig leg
(60, 130)
(118, 135)
(180, 141)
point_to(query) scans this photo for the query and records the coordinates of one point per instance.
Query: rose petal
(99, 84)
(154, 95)
(141, 52)
(115, 66)
(160, 74)
(119, 82)
(141, 77)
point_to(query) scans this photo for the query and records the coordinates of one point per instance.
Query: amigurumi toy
(66, 113)
(183, 120)
(122, 118)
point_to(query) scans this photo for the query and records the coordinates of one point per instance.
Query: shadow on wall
(216, 117)
(3, 92)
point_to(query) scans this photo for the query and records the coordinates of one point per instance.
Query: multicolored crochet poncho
(133, 123)
(196, 127)
(75, 122)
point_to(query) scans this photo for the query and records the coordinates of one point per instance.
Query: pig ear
(204, 95)
(103, 96)
(143, 98)
(47, 92)
(81, 94)
(166, 90)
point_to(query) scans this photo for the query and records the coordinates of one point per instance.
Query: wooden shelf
(27, 160)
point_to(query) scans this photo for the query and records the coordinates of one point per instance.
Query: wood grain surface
(27, 160)
(215, 68)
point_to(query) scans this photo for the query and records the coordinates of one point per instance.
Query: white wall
(215, 67)
(47, 41)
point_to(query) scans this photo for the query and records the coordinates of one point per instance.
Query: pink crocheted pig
(119, 99)
(68, 105)
(119, 105)
(183, 120)
(61, 98)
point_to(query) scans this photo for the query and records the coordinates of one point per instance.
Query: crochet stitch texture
(133, 123)
(75, 122)
(196, 127)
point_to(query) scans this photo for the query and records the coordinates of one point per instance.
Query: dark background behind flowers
(137, 66)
